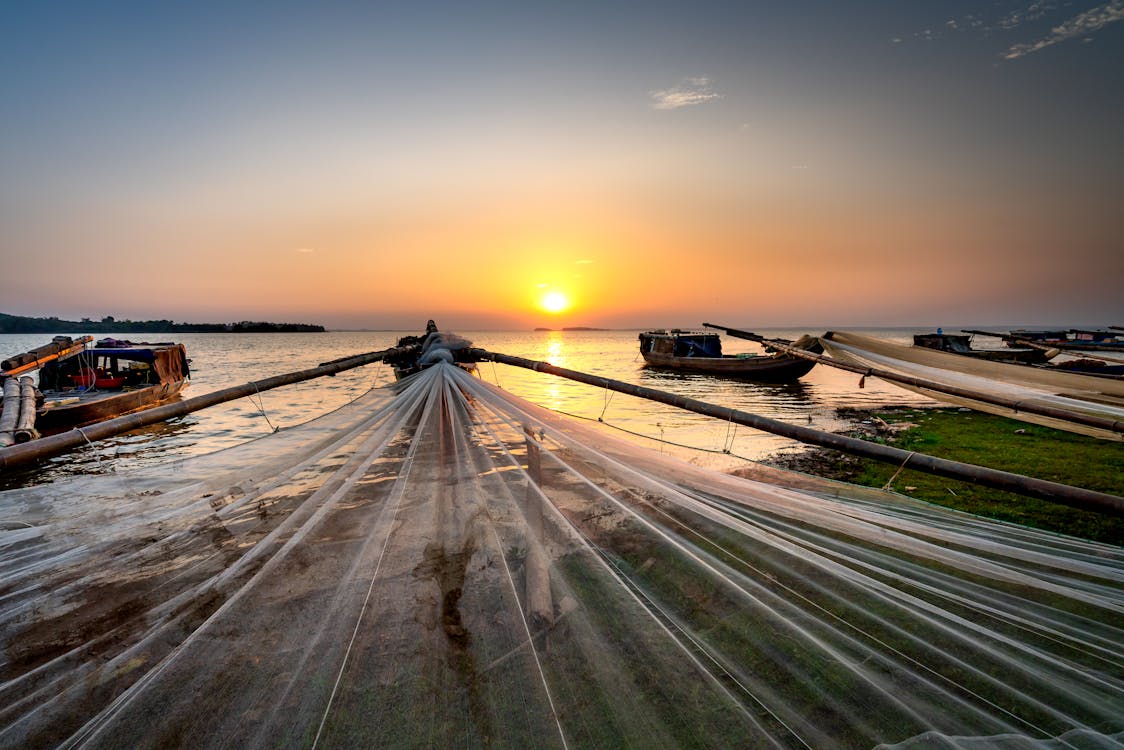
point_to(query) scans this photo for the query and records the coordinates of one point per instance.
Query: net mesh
(444, 564)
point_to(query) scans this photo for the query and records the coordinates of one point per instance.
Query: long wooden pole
(1089, 420)
(994, 478)
(55, 444)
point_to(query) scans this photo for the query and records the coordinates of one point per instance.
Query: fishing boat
(700, 352)
(962, 344)
(1051, 344)
(1078, 339)
(81, 384)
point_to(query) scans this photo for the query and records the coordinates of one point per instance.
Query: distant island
(109, 324)
(584, 328)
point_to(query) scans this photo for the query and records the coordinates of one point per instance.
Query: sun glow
(554, 302)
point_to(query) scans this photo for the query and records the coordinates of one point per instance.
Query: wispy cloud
(1032, 12)
(1081, 25)
(689, 93)
(306, 249)
(583, 262)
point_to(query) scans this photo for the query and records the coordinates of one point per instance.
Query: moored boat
(1075, 338)
(695, 351)
(962, 344)
(79, 385)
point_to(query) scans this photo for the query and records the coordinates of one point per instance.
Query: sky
(373, 165)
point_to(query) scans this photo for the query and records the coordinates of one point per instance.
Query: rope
(890, 481)
(728, 443)
(97, 456)
(608, 399)
(261, 406)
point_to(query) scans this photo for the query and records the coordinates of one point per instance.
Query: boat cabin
(1095, 337)
(678, 343)
(945, 342)
(114, 365)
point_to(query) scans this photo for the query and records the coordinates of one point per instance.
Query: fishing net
(442, 564)
(1062, 391)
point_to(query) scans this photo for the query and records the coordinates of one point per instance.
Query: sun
(554, 302)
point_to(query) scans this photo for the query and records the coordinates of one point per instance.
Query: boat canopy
(441, 563)
(169, 360)
(684, 343)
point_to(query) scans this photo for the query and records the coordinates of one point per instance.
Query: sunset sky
(371, 165)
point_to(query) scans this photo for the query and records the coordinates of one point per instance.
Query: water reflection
(225, 360)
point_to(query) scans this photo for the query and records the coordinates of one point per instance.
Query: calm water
(223, 360)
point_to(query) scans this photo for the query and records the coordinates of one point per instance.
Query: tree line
(109, 324)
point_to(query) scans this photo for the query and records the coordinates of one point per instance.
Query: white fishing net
(1064, 391)
(446, 565)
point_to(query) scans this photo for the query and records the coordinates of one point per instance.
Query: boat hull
(63, 415)
(766, 369)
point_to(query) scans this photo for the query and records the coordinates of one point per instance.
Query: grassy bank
(986, 440)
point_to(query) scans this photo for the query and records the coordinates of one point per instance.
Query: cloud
(583, 262)
(689, 93)
(306, 249)
(1081, 25)
(1032, 12)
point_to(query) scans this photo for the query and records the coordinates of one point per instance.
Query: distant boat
(962, 344)
(1075, 338)
(80, 385)
(702, 352)
(1050, 343)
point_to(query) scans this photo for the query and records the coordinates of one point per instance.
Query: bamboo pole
(994, 478)
(1089, 420)
(25, 427)
(11, 411)
(55, 444)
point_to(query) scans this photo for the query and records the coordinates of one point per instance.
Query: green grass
(1010, 445)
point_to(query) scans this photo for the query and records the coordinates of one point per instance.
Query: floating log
(1089, 420)
(994, 478)
(25, 425)
(15, 455)
(11, 411)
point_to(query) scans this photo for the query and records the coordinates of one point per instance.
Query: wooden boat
(702, 352)
(1050, 344)
(1077, 339)
(80, 385)
(962, 344)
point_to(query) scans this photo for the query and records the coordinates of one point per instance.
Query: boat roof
(677, 332)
